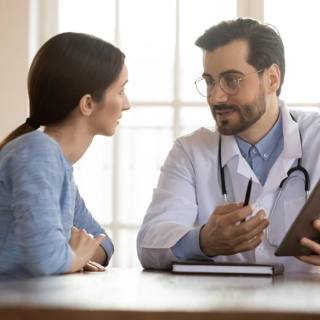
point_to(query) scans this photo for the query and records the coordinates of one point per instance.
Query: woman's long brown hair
(67, 67)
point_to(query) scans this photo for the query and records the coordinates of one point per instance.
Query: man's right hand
(221, 235)
(83, 248)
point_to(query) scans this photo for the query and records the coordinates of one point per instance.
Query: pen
(247, 198)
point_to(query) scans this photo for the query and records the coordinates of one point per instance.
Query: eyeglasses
(229, 84)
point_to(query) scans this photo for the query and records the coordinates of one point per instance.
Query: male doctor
(259, 137)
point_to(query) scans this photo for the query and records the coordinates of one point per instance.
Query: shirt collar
(267, 144)
(291, 136)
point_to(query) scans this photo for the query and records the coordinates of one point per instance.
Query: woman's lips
(223, 114)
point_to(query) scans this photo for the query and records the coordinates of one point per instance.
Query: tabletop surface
(141, 290)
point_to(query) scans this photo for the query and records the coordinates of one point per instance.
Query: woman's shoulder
(35, 145)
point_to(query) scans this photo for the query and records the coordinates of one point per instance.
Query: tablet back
(302, 227)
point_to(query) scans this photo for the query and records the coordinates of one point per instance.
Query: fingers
(247, 246)
(315, 247)
(252, 233)
(100, 238)
(239, 214)
(73, 229)
(90, 267)
(228, 207)
(83, 238)
(316, 224)
(97, 265)
(313, 259)
(251, 224)
(93, 266)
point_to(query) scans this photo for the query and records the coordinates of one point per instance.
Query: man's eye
(231, 80)
(209, 82)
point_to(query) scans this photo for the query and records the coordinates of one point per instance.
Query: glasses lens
(229, 85)
(205, 86)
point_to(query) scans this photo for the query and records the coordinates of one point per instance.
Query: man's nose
(218, 96)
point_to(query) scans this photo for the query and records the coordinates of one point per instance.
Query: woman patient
(76, 91)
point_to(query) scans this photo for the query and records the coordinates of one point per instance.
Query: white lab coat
(189, 189)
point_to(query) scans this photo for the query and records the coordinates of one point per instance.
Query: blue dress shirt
(261, 157)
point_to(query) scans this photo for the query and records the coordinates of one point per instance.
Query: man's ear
(86, 105)
(274, 78)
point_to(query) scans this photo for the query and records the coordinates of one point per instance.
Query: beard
(249, 114)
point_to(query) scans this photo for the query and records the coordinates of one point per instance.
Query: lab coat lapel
(230, 150)
(277, 173)
(238, 168)
(291, 134)
(291, 151)
(231, 156)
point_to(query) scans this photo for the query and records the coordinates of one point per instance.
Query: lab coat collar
(229, 148)
(292, 148)
(291, 134)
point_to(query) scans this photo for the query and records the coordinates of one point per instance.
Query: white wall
(24, 26)
(14, 39)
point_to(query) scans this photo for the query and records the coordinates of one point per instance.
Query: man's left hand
(315, 247)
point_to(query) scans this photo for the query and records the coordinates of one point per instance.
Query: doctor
(188, 218)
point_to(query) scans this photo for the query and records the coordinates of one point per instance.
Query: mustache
(223, 107)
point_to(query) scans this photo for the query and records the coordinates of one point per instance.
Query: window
(158, 40)
(299, 31)
(163, 63)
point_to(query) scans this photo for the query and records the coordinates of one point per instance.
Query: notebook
(226, 268)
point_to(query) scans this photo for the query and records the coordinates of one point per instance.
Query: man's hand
(315, 247)
(221, 235)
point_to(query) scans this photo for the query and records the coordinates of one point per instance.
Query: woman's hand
(315, 247)
(93, 266)
(83, 248)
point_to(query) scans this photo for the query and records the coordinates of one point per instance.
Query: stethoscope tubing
(298, 167)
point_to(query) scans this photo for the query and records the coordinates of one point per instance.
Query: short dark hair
(67, 67)
(265, 44)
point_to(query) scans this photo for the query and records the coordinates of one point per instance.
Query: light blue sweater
(39, 203)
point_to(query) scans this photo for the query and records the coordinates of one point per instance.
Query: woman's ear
(86, 105)
(274, 78)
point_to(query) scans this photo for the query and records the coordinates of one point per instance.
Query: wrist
(202, 241)
(205, 246)
(76, 264)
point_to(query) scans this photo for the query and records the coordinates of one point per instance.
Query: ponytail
(23, 129)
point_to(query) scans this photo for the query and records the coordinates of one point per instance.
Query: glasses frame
(221, 85)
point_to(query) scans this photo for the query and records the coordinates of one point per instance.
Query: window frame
(47, 26)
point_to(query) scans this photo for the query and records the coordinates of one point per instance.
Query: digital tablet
(301, 227)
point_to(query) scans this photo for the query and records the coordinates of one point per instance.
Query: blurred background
(117, 175)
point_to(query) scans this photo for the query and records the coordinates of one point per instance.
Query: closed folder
(226, 268)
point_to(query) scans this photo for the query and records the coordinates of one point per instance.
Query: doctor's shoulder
(199, 140)
(309, 121)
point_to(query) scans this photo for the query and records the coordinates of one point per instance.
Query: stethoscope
(299, 167)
